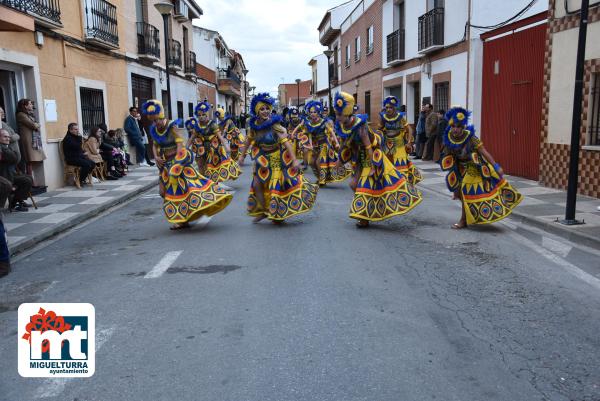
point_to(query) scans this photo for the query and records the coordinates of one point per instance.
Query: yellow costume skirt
(284, 189)
(187, 195)
(488, 199)
(329, 171)
(395, 150)
(384, 194)
(214, 162)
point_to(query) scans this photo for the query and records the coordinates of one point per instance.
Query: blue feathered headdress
(202, 108)
(313, 104)
(261, 98)
(458, 115)
(191, 124)
(393, 100)
(153, 109)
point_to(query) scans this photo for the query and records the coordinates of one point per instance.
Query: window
(399, 16)
(179, 109)
(191, 109)
(357, 48)
(92, 108)
(441, 96)
(368, 103)
(334, 75)
(370, 40)
(594, 136)
(347, 55)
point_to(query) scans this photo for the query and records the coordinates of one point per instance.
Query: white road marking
(163, 264)
(150, 196)
(55, 387)
(557, 247)
(569, 267)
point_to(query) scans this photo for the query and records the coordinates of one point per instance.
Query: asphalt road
(315, 309)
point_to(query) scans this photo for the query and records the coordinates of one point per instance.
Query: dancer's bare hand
(160, 162)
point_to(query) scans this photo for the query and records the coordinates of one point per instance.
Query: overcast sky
(276, 38)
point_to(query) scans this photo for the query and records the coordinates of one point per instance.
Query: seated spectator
(74, 154)
(21, 184)
(120, 134)
(14, 137)
(119, 155)
(92, 146)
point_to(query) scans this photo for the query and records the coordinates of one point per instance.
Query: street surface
(315, 309)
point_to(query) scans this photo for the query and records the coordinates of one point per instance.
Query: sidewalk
(541, 206)
(66, 207)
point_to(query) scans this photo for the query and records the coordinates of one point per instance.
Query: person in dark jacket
(72, 145)
(441, 129)
(21, 184)
(135, 136)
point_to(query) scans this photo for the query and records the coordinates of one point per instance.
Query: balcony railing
(101, 23)
(431, 30)
(46, 12)
(395, 46)
(223, 74)
(181, 10)
(174, 54)
(190, 63)
(148, 41)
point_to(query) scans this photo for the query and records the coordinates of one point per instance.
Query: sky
(276, 38)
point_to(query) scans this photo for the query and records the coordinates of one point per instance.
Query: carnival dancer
(230, 131)
(473, 176)
(380, 190)
(325, 146)
(300, 142)
(210, 148)
(325, 113)
(186, 194)
(396, 138)
(278, 189)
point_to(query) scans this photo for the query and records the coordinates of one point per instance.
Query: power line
(508, 21)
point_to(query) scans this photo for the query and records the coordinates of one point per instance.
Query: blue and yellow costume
(211, 156)
(230, 132)
(321, 134)
(395, 141)
(486, 195)
(297, 137)
(384, 193)
(186, 194)
(285, 191)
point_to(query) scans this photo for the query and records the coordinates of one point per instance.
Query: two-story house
(69, 58)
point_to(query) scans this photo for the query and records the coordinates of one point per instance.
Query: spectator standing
(421, 138)
(4, 253)
(135, 136)
(21, 184)
(145, 140)
(431, 130)
(72, 145)
(442, 125)
(30, 136)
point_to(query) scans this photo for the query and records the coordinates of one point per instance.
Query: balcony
(174, 55)
(327, 33)
(395, 47)
(228, 83)
(181, 10)
(148, 38)
(431, 30)
(101, 24)
(190, 64)
(45, 12)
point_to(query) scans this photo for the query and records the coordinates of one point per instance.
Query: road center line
(163, 264)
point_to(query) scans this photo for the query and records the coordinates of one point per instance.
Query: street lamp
(328, 53)
(245, 71)
(165, 8)
(298, 93)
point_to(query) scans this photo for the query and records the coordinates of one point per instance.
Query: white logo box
(77, 362)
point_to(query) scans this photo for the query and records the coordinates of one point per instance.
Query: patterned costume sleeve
(280, 130)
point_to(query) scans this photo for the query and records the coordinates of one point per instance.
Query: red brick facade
(208, 92)
(206, 73)
(292, 91)
(364, 75)
(554, 158)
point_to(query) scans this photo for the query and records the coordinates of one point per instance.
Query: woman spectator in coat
(92, 147)
(29, 130)
(118, 154)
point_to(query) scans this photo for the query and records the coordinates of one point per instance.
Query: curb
(25, 244)
(548, 226)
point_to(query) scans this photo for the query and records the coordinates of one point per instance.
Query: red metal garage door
(513, 71)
